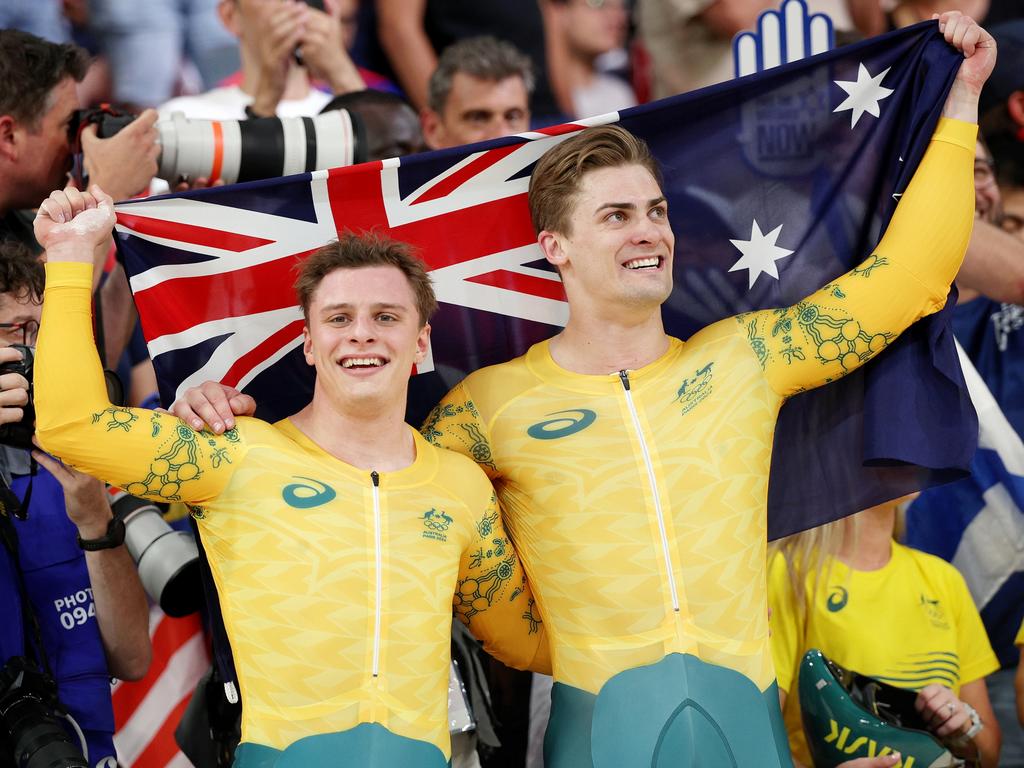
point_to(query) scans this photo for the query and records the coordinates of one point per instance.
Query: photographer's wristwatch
(114, 537)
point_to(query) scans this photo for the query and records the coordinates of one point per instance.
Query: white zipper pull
(230, 693)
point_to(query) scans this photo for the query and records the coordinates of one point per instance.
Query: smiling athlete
(339, 538)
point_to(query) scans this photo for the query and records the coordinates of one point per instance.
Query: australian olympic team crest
(435, 524)
(695, 389)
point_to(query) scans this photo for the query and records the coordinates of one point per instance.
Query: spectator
(413, 33)
(480, 90)
(690, 41)
(92, 613)
(907, 12)
(994, 264)
(145, 43)
(1002, 108)
(42, 18)
(37, 109)
(1013, 213)
(580, 31)
(391, 127)
(272, 82)
(831, 588)
(987, 322)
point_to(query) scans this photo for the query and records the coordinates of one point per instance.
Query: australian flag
(809, 157)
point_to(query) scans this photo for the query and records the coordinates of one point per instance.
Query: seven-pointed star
(759, 253)
(863, 94)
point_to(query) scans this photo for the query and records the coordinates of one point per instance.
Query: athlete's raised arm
(147, 453)
(845, 323)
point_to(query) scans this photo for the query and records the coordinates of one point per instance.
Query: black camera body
(19, 434)
(32, 722)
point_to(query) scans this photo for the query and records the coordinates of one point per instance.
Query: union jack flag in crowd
(776, 183)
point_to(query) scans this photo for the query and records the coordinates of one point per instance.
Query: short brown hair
(556, 178)
(21, 273)
(483, 57)
(367, 249)
(30, 68)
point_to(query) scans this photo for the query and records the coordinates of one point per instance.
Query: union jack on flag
(814, 153)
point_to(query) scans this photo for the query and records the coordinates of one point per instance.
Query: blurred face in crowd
(477, 110)
(987, 205)
(40, 154)
(392, 130)
(1013, 212)
(249, 19)
(617, 253)
(19, 318)
(593, 27)
(349, 13)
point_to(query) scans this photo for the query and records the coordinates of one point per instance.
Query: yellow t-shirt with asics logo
(910, 623)
(336, 584)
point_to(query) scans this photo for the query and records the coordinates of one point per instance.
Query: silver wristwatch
(976, 725)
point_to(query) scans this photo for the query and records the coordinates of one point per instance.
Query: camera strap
(34, 648)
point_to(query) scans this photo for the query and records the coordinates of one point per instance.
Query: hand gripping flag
(777, 183)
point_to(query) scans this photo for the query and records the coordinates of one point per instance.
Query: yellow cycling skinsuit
(336, 583)
(933, 632)
(637, 499)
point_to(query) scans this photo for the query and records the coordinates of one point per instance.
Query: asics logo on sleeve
(307, 495)
(574, 421)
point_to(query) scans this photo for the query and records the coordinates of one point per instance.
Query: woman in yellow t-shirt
(887, 611)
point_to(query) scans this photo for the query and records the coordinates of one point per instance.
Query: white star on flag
(863, 94)
(759, 253)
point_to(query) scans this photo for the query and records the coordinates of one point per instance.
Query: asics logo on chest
(308, 494)
(566, 423)
(837, 599)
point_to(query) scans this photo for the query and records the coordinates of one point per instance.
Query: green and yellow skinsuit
(336, 583)
(637, 499)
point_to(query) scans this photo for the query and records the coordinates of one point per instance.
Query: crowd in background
(431, 74)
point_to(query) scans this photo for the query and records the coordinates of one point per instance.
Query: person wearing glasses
(65, 560)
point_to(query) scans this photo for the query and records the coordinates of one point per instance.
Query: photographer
(38, 102)
(90, 607)
(272, 39)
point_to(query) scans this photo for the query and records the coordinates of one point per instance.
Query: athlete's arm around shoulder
(492, 595)
(847, 322)
(456, 423)
(147, 453)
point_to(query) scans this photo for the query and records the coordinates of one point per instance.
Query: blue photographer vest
(58, 585)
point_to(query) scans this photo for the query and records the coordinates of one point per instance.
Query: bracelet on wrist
(967, 736)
